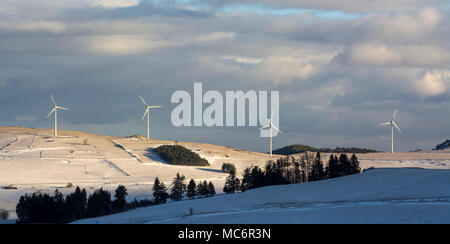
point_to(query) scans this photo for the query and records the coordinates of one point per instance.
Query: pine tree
(333, 167)
(211, 189)
(355, 168)
(178, 188)
(246, 180)
(231, 184)
(61, 215)
(202, 191)
(76, 204)
(205, 191)
(257, 178)
(317, 172)
(99, 203)
(120, 203)
(344, 165)
(297, 173)
(191, 189)
(159, 192)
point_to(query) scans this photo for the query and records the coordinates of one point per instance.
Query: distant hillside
(443, 146)
(293, 149)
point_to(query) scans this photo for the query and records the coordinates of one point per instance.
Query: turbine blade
(53, 100)
(53, 110)
(276, 128)
(142, 99)
(146, 112)
(395, 125)
(271, 116)
(395, 113)
(154, 106)
(58, 107)
(387, 123)
(264, 127)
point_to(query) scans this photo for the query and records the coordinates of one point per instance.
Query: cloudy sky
(341, 66)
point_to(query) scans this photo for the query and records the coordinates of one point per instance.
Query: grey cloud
(101, 60)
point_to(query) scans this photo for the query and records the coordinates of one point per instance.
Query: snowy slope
(407, 195)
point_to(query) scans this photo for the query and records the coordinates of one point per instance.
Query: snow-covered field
(405, 195)
(30, 160)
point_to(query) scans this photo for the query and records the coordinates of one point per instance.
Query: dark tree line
(44, 208)
(294, 149)
(290, 170)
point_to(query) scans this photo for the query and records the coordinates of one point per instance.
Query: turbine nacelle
(392, 122)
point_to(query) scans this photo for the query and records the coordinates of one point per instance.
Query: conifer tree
(344, 165)
(99, 203)
(211, 189)
(355, 168)
(191, 189)
(332, 168)
(120, 203)
(159, 192)
(317, 172)
(178, 188)
(231, 184)
(246, 180)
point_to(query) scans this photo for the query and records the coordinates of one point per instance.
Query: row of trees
(295, 149)
(290, 170)
(179, 190)
(45, 208)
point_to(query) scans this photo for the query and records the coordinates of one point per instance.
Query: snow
(408, 195)
(31, 160)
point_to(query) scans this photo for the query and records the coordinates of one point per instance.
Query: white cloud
(378, 54)
(373, 54)
(115, 3)
(215, 36)
(433, 83)
(403, 26)
(121, 45)
(292, 64)
(244, 60)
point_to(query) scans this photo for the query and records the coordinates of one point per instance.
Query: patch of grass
(179, 155)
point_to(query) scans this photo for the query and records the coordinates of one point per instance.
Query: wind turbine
(55, 110)
(270, 126)
(147, 112)
(392, 124)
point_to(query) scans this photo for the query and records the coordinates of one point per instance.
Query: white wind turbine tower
(392, 124)
(270, 126)
(147, 112)
(55, 110)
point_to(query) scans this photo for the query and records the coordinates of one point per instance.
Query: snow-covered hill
(31, 161)
(408, 195)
